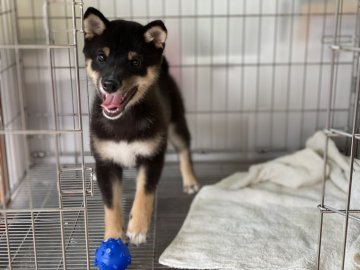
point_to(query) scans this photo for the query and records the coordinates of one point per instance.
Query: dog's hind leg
(109, 177)
(179, 136)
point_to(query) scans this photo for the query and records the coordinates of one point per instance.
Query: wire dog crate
(352, 134)
(258, 77)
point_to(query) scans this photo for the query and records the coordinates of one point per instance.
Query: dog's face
(122, 59)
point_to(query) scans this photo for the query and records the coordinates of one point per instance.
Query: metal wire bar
(56, 123)
(40, 210)
(288, 84)
(19, 82)
(273, 75)
(132, 10)
(343, 133)
(329, 209)
(34, 240)
(206, 16)
(227, 57)
(305, 74)
(356, 62)
(321, 65)
(70, 75)
(345, 48)
(37, 61)
(39, 131)
(328, 125)
(242, 75)
(352, 158)
(264, 64)
(336, 68)
(211, 100)
(71, 234)
(7, 240)
(257, 86)
(217, 112)
(196, 56)
(36, 46)
(180, 53)
(77, 83)
(4, 67)
(18, 69)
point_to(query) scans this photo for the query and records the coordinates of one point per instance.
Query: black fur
(111, 172)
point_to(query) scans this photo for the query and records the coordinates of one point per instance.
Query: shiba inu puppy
(136, 108)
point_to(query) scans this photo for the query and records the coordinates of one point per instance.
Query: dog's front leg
(109, 177)
(140, 216)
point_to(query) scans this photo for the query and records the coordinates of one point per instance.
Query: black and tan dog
(136, 107)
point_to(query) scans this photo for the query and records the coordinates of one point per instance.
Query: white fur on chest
(124, 153)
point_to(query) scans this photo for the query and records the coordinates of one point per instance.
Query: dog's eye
(101, 57)
(135, 62)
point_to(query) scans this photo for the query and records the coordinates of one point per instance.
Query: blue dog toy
(112, 255)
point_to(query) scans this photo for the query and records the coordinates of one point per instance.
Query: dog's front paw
(136, 238)
(137, 231)
(191, 188)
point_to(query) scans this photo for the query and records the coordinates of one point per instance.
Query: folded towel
(267, 218)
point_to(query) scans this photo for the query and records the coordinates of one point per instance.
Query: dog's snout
(110, 86)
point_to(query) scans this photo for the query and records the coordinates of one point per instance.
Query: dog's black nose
(110, 86)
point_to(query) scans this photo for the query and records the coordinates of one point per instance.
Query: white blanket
(267, 218)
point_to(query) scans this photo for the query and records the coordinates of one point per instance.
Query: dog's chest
(125, 153)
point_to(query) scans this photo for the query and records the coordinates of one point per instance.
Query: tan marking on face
(132, 55)
(141, 210)
(113, 216)
(106, 51)
(92, 74)
(143, 83)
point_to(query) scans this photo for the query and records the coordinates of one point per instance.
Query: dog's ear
(94, 23)
(156, 33)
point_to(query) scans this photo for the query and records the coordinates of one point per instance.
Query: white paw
(136, 238)
(191, 189)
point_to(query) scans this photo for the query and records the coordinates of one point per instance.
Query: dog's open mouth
(114, 104)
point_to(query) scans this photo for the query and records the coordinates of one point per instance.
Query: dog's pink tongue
(111, 102)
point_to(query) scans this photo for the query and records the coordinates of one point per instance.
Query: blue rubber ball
(112, 254)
